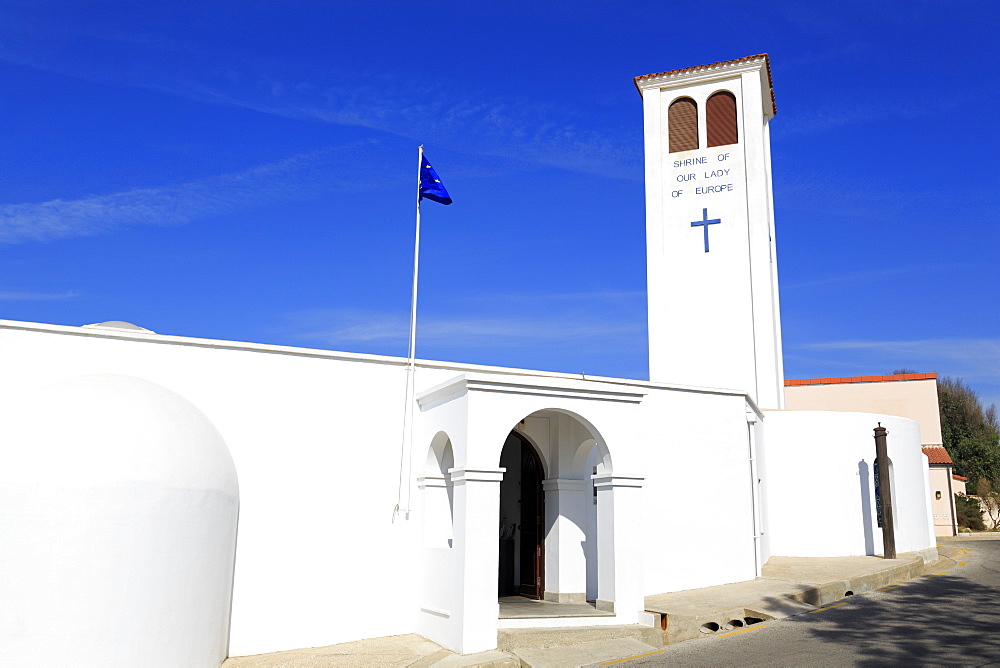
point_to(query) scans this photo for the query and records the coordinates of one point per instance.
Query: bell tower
(711, 267)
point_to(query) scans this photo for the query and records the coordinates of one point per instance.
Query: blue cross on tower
(705, 222)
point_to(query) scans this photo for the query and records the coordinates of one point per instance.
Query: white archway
(572, 452)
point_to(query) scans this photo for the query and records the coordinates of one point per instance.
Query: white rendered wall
(316, 443)
(316, 437)
(118, 507)
(821, 491)
(713, 316)
(698, 504)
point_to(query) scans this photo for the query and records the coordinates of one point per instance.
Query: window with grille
(683, 119)
(720, 114)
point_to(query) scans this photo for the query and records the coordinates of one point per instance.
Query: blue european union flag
(430, 185)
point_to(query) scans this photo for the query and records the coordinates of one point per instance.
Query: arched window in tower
(720, 112)
(683, 117)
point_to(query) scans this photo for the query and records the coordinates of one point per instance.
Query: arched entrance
(522, 521)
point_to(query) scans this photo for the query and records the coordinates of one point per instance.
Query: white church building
(171, 501)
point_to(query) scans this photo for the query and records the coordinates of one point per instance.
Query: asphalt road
(948, 619)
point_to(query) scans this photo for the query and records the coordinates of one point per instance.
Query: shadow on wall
(866, 507)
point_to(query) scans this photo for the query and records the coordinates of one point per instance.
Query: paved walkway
(517, 607)
(789, 586)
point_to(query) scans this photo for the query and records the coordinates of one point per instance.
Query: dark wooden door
(505, 581)
(532, 524)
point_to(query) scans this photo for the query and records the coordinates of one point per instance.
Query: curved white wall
(819, 467)
(118, 509)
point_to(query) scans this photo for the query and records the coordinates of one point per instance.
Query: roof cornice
(566, 388)
(460, 367)
(713, 71)
(888, 378)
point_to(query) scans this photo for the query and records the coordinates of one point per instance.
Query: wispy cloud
(972, 359)
(597, 333)
(538, 133)
(293, 177)
(479, 122)
(11, 296)
(850, 51)
(603, 319)
(345, 327)
(475, 122)
(872, 276)
(601, 301)
(861, 111)
(847, 201)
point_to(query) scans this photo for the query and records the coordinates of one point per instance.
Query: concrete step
(543, 638)
(789, 586)
(491, 659)
(681, 627)
(582, 653)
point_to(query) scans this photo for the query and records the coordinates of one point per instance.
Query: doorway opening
(522, 521)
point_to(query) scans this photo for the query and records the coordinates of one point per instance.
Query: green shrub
(970, 431)
(968, 514)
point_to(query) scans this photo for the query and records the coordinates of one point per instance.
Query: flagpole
(405, 456)
(416, 265)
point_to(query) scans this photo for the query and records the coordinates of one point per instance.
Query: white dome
(118, 507)
(119, 325)
(105, 429)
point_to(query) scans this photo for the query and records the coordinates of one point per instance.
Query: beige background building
(909, 395)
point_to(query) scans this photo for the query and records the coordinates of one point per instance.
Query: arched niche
(438, 493)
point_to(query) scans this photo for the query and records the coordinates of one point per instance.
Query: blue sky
(245, 170)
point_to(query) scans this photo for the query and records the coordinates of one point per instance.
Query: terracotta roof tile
(955, 476)
(767, 66)
(861, 379)
(936, 454)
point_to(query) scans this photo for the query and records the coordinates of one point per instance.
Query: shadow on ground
(938, 620)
